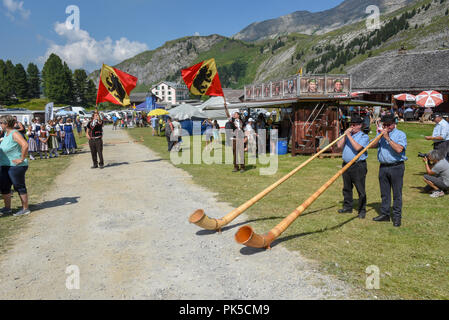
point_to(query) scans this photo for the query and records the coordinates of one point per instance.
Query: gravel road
(126, 229)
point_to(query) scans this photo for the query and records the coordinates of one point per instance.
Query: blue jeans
(13, 176)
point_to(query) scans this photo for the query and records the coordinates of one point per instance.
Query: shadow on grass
(375, 206)
(425, 190)
(250, 251)
(54, 203)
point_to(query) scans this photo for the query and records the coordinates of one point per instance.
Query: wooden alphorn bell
(200, 218)
(246, 235)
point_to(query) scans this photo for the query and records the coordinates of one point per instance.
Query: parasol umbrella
(358, 93)
(158, 112)
(429, 99)
(405, 97)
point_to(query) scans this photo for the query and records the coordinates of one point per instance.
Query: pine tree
(80, 86)
(21, 82)
(57, 80)
(9, 78)
(5, 94)
(34, 81)
(91, 93)
(68, 85)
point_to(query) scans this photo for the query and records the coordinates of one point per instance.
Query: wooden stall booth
(315, 105)
(315, 126)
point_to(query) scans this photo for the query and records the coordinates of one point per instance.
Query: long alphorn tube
(203, 221)
(246, 235)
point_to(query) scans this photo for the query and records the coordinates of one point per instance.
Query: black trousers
(355, 176)
(391, 178)
(96, 149)
(170, 143)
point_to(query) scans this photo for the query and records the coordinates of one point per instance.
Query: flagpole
(226, 107)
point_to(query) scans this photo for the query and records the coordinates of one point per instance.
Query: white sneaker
(22, 213)
(437, 194)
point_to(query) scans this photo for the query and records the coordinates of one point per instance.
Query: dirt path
(126, 229)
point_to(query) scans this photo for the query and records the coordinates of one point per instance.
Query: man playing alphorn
(391, 155)
(354, 142)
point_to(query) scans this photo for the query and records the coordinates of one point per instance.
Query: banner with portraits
(312, 85)
(338, 84)
(324, 86)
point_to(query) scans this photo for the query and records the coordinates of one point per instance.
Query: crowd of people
(126, 120)
(49, 140)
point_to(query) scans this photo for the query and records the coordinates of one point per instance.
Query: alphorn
(200, 218)
(246, 235)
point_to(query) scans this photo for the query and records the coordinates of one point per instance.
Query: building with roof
(170, 92)
(403, 72)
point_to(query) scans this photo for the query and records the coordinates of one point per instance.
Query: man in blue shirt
(354, 142)
(440, 136)
(391, 155)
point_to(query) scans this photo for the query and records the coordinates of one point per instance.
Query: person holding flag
(202, 79)
(115, 86)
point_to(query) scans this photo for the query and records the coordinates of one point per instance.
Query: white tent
(214, 108)
(187, 111)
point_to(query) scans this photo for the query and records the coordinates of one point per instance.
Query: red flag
(115, 86)
(202, 79)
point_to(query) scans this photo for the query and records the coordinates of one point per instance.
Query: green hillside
(422, 25)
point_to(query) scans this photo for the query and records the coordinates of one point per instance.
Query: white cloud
(196, 34)
(83, 51)
(14, 7)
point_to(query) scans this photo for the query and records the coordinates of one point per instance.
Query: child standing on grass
(43, 139)
(32, 145)
(52, 140)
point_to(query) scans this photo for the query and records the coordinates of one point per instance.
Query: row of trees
(16, 83)
(62, 86)
(59, 83)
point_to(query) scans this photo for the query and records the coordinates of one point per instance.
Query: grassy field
(33, 104)
(413, 259)
(39, 179)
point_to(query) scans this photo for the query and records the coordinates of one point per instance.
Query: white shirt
(441, 130)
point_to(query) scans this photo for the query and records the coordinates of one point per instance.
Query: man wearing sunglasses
(354, 142)
(391, 155)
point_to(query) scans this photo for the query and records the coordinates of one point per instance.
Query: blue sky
(111, 31)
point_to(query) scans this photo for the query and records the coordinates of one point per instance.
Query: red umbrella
(358, 93)
(429, 99)
(405, 97)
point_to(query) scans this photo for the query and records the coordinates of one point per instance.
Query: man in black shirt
(95, 136)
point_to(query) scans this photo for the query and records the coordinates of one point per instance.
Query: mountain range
(330, 41)
(348, 12)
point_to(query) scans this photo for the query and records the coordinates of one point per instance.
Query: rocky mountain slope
(348, 12)
(421, 25)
